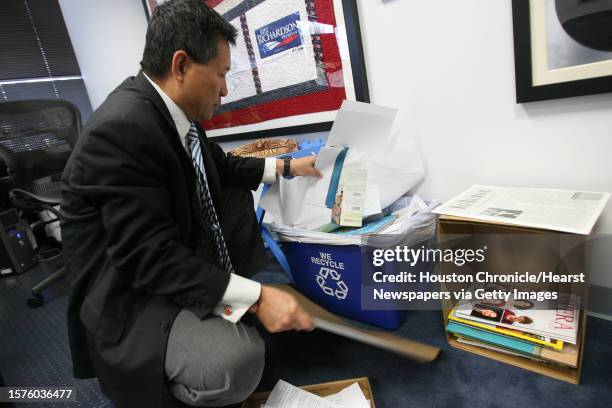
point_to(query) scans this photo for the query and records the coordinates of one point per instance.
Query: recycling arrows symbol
(326, 274)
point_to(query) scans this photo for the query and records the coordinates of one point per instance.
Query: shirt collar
(178, 116)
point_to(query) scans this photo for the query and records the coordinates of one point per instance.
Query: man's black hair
(187, 25)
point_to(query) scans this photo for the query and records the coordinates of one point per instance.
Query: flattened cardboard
(410, 349)
(256, 400)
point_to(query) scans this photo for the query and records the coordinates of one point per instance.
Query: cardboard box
(256, 400)
(451, 227)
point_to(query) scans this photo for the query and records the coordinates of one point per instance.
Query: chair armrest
(33, 202)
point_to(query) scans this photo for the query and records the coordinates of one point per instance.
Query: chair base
(36, 301)
(37, 298)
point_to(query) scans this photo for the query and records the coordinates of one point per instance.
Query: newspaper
(558, 210)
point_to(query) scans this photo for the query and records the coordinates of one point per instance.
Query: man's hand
(304, 166)
(279, 311)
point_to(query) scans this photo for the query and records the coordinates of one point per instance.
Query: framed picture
(294, 63)
(549, 62)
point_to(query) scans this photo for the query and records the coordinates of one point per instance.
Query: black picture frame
(358, 68)
(526, 91)
(147, 7)
(145, 4)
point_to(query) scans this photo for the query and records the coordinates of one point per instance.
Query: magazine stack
(546, 331)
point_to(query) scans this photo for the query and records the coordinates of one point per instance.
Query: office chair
(36, 138)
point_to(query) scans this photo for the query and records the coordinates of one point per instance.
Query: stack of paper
(414, 221)
(556, 319)
(285, 395)
(363, 133)
(550, 334)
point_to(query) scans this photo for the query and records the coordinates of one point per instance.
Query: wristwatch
(287, 166)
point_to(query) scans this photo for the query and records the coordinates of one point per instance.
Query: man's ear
(180, 62)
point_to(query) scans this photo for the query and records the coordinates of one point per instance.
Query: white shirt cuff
(269, 175)
(240, 294)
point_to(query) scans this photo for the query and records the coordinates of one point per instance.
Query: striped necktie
(206, 204)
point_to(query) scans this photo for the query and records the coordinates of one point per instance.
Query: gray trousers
(212, 362)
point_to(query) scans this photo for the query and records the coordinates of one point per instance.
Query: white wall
(449, 67)
(108, 38)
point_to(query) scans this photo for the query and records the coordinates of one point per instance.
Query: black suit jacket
(135, 246)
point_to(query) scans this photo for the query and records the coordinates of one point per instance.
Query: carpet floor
(34, 352)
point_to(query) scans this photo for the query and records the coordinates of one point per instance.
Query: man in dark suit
(159, 231)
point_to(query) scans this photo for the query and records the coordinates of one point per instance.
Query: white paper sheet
(317, 192)
(363, 127)
(416, 204)
(285, 395)
(285, 203)
(351, 396)
(396, 173)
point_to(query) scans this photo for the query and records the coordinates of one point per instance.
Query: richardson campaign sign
(279, 36)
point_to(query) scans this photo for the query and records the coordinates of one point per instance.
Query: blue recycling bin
(330, 275)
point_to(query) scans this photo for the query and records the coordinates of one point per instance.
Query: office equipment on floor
(36, 138)
(16, 254)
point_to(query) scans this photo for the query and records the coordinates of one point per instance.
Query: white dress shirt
(241, 293)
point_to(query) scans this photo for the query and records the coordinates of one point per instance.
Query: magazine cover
(557, 319)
